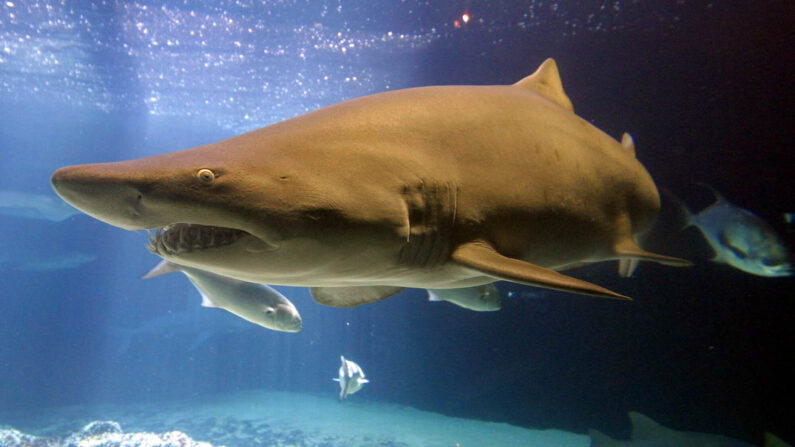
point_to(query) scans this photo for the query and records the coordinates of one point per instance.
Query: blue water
(704, 87)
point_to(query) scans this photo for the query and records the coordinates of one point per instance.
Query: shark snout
(108, 198)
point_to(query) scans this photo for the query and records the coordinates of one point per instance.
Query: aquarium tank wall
(449, 266)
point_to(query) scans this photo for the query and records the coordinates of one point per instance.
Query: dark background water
(705, 88)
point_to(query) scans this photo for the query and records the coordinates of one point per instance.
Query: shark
(363, 198)
(35, 206)
(648, 433)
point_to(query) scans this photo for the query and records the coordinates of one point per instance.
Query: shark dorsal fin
(643, 427)
(546, 82)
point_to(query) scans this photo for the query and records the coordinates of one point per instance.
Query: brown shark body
(431, 187)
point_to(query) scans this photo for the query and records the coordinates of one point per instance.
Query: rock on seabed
(100, 434)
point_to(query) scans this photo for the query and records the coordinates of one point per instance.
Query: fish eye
(205, 175)
(269, 311)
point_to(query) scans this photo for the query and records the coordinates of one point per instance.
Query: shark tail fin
(599, 439)
(162, 268)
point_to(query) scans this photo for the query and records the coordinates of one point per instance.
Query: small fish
(740, 238)
(256, 303)
(351, 378)
(483, 298)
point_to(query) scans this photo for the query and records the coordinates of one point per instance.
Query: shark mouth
(183, 238)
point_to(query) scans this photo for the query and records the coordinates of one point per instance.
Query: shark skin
(430, 187)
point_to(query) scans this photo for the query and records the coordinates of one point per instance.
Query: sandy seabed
(279, 419)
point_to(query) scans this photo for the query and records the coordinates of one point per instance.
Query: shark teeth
(176, 239)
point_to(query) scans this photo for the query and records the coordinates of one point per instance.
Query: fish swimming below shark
(256, 303)
(35, 206)
(648, 433)
(361, 199)
(739, 238)
(351, 378)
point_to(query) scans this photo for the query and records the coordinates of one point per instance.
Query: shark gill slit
(431, 215)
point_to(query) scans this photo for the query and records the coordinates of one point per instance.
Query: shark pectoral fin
(482, 257)
(626, 267)
(629, 249)
(432, 296)
(351, 296)
(599, 439)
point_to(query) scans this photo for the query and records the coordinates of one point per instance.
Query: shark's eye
(269, 311)
(205, 175)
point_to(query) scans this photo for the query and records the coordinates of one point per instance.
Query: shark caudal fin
(481, 256)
